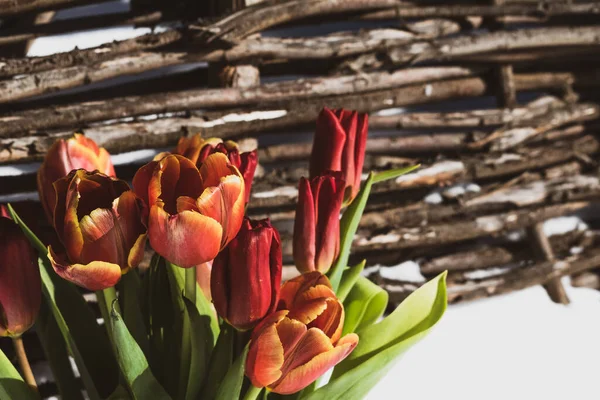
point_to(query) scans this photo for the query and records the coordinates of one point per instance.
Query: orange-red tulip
(339, 145)
(192, 213)
(294, 346)
(99, 221)
(317, 223)
(65, 156)
(197, 149)
(20, 285)
(311, 300)
(246, 275)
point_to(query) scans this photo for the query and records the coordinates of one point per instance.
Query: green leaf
(201, 345)
(393, 173)
(348, 227)
(364, 305)
(193, 329)
(85, 339)
(382, 344)
(133, 363)
(349, 278)
(231, 386)
(12, 385)
(220, 362)
(57, 354)
(129, 294)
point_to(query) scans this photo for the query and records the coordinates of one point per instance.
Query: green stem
(24, 363)
(105, 299)
(190, 284)
(252, 392)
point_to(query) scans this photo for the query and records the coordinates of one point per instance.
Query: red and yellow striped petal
(96, 275)
(185, 239)
(301, 374)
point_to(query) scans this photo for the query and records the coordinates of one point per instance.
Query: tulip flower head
(293, 347)
(197, 150)
(192, 213)
(317, 222)
(246, 275)
(65, 156)
(339, 145)
(99, 221)
(20, 285)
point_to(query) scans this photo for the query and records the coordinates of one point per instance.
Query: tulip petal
(102, 240)
(328, 204)
(304, 374)
(265, 358)
(295, 287)
(97, 275)
(304, 229)
(328, 144)
(225, 204)
(362, 131)
(248, 163)
(20, 286)
(136, 254)
(290, 332)
(141, 183)
(215, 167)
(127, 209)
(331, 320)
(185, 239)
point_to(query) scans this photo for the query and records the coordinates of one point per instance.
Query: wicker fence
(498, 103)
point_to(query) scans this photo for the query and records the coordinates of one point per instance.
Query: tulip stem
(190, 284)
(24, 363)
(252, 392)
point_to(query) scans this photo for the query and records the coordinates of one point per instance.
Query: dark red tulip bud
(20, 285)
(339, 145)
(246, 275)
(317, 223)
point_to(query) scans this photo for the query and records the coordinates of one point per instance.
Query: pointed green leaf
(12, 385)
(393, 173)
(87, 342)
(364, 305)
(129, 294)
(57, 354)
(220, 361)
(348, 227)
(133, 363)
(231, 386)
(382, 344)
(201, 344)
(349, 278)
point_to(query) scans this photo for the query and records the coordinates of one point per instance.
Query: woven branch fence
(497, 100)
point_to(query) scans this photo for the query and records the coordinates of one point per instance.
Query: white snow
(562, 225)
(517, 346)
(408, 271)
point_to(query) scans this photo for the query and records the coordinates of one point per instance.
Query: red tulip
(20, 285)
(65, 156)
(339, 145)
(293, 347)
(197, 149)
(98, 220)
(193, 214)
(317, 223)
(246, 275)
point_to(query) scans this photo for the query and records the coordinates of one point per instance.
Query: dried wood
(20, 123)
(13, 7)
(21, 34)
(514, 279)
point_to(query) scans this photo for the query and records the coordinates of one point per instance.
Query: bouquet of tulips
(207, 315)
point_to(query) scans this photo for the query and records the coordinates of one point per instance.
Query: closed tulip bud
(197, 150)
(246, 275)
(339, 145)
(65, 156)
(294, 346)
(20, 285)
(317, 222)
(99, 221)
(192, 213)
